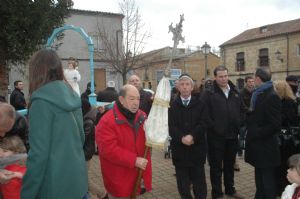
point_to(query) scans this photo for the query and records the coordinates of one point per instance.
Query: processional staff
(156, 126)
(177, 36)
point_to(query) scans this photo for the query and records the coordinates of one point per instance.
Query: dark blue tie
(185, 102)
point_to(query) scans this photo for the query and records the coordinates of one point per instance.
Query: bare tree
(122, 50)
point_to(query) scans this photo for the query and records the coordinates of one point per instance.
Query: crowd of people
(213, 123)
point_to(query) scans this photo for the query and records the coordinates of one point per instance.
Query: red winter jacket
(12, 189)
(119, 145)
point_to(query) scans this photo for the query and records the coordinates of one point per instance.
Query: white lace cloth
(156, 126)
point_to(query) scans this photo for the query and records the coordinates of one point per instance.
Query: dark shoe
(236, 195)
(105, 197)
(219, 197)
(143, 190)
(237, 167)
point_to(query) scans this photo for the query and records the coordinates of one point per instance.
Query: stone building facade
(153, 64)
(275, 45)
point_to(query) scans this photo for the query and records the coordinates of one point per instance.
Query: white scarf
(289, 191)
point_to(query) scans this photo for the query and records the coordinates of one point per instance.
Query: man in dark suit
(187, 117)
(225, 111)
(263, 122)
(17, 99)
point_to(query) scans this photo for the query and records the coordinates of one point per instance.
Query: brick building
(274, 45)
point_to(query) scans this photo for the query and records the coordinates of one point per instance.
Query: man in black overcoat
(187, 118)
(263, 122)
(109, 94)
(225, 114)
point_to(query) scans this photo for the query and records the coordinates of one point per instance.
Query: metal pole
(205, 72)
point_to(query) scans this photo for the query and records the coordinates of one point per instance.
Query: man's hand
(187, 140)
(141, 163)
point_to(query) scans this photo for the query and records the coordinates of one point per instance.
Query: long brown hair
(45, 66)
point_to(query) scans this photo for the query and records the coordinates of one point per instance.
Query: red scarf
(296, 194)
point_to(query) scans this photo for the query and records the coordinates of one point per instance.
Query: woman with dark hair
(56, 166)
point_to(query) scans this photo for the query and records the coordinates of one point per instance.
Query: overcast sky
(214, 21)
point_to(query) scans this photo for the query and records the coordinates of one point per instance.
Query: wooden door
(100, 79)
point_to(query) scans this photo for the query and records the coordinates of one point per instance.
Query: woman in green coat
(56, 168)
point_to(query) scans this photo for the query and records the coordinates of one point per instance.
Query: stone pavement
(164, 181)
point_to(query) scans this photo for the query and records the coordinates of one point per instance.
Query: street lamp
(206, 50)
(278, 56)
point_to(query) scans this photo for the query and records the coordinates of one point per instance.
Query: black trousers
(195, 176)
(221, 156)
(265, 182)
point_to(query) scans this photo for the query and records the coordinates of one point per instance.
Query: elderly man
(121, 139)
(263, 123)
(7, 119)
(187, 116)
(145, 97)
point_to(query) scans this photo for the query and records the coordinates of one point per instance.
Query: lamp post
(206, 50)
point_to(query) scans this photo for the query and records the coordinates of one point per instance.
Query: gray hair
(7, 111)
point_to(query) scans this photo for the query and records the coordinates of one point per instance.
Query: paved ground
(164, 181)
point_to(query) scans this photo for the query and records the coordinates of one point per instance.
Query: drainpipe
(287, 54)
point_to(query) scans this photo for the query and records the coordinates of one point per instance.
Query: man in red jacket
(120, 137)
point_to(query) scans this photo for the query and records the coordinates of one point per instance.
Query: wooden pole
(139, 177)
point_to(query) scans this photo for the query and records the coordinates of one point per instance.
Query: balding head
(7, 118)
(129, 97)
(135, 81)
